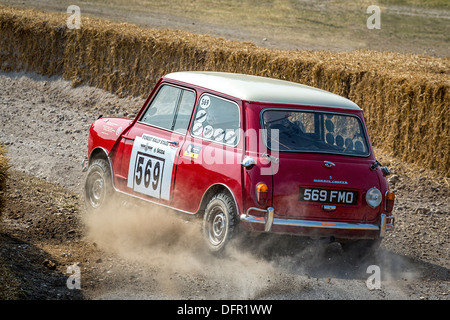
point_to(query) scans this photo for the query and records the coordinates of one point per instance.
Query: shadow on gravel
(30, 273)
(325, 259)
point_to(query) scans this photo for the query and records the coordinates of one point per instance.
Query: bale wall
(405, 98)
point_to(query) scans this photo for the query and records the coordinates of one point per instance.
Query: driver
(280, 120)
(289, 132)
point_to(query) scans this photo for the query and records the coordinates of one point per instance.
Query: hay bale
(405, 97)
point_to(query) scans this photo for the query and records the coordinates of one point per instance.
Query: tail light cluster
(389, 201)
(262, 191)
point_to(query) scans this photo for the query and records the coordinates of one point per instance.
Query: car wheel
(98, 186)
(219, 222)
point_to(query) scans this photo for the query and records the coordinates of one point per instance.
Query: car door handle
(173, 142)
(248, 162)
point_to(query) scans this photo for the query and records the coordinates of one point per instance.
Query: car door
(212, 153)
(149, 150)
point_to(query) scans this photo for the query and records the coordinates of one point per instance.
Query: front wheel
(98, 185)
(219, 222)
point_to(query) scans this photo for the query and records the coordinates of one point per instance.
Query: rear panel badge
(330, 180)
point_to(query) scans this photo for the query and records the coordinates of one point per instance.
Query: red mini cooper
(270, 155)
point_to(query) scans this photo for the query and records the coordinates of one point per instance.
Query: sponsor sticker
(192, 151)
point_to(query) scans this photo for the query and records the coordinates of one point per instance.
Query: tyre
(98, 185)
(219, 222)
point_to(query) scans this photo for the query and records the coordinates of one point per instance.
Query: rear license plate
(328, 196)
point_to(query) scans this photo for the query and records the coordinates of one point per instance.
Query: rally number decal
(148, 174)
(151, 166)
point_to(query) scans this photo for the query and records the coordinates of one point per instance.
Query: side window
(183, 116)
(170, 109)
(217, 119)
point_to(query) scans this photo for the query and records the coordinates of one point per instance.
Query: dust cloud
(169, 246)
(160, 239)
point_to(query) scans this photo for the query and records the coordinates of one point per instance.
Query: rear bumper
(271, 224)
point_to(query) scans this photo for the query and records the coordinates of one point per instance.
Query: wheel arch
(101, 153)
(211, 191)
(98, 153)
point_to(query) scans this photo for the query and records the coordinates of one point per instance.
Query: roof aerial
(262, 89)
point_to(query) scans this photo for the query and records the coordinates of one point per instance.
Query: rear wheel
(98, 185)
(219, 222)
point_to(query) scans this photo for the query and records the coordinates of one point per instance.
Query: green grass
(430, 4)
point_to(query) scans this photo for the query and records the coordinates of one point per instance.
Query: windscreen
(314, 132)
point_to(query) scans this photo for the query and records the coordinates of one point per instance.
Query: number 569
(315, 195)
(144, 172)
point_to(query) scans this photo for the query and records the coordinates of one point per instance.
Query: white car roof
(261, 89)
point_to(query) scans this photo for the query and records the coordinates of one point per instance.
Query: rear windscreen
(307, 131)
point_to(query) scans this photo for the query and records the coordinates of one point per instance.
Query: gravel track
(148, 253)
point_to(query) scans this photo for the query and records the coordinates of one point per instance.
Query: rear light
(389, 201)
(262, 191)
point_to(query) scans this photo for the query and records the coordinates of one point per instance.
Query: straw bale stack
(405, 97)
